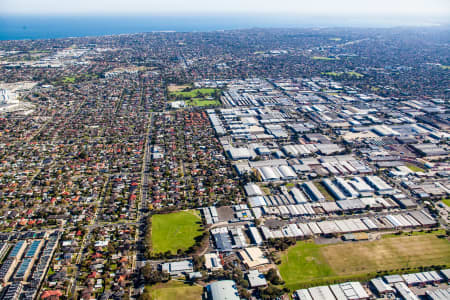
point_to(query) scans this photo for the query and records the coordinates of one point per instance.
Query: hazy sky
(304, 7)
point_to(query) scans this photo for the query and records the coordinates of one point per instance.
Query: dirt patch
(176, 88)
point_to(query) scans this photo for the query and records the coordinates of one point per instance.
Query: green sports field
(174, 231)
(174, 290)
(196, 97)
(323, 58)
(304, 262)
(350, 74)
(202, 102)
(307, 263)
(193, 93)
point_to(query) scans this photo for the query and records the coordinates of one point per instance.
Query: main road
(142, 207)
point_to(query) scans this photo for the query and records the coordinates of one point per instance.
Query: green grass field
(39, 51)
(323, 58)
(290, 185)
(193, 93)
(350, 74)
(414, 168)
(446, 201)
(324, 191)
(412, 233)
(304, 262)
(354, 74)
(174, 231)
(203, 102)
(174, 290)
(197, 97)
(307, 263)
(77, 78)
(335, 74)
(69, 79)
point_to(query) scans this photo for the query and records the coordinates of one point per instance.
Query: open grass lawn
(350, 74)
(354, 74)
(193, 93)
(414, 168)
(410, 233)
(309, 264)
(174, 290)
(323, 191)
(174, 231)
(446, 201)
(76, 78)
(290, 185)
(388, 254)
(304, 262)
(196, 97)
(69, 79)
(336, 74)
(203, 102)
(323, 58)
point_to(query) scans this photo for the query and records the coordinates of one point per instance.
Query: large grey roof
(223, 290)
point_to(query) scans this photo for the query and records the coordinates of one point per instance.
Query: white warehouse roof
(268, 174)
(287, 172)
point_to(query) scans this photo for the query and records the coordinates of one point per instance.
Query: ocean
(51, 27)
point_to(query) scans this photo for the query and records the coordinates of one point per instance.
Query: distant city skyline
(332, 8)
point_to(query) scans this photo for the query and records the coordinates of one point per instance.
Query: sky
(406, 8)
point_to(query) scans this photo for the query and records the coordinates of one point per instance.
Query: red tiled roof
(55, 293)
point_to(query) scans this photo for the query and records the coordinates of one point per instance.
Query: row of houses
(11, 262)
(27, 262)
(13, 291)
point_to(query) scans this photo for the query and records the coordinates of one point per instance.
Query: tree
(244, 293)
(271, 292)
(153, 276)
(272, 276)
(244, 283)
(198, 262)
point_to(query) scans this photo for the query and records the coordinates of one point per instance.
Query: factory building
(313, 192)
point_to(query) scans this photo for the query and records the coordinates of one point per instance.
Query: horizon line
(229, 14)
